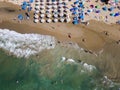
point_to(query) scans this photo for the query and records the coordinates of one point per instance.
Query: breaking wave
(24, 45)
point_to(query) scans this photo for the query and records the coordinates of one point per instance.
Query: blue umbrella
(117, 14)
(98, 11)
(74, 13)
(104, 8)
(75, 18)
(111, 9)
(80, 5)
(75, 22)
(24, 7)
(24, 3)
(31, 1)
(75, 8)
(72, 9)
(20, 17)
(112, 14)
(29, 9)
(76, 2)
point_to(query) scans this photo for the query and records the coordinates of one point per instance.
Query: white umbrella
(48, 6)
(36, 20)
(49, 15)
(49, 20)
(55, 6)
(37, 7)
(49, 10)
(50, 2)
(42, 15)
(61, 9)
(36, 11)
(54, 2)
(37, 3)
(36, 16)
(42, 20)
(61, 14)
(55, 20)
(55, 15)
(42, 2)
(62, 19)
(55, 10)
(37, 0)
(60, 1)
(42, 11)
(42, 7)
(60, 5)
(66, 1)
(68, 20)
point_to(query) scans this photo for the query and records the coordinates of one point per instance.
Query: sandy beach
(95, 37)
(91, 33)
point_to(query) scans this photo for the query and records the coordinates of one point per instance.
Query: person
(106, 18)
(69, 35)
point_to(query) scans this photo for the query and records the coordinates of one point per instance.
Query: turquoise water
(47, 72)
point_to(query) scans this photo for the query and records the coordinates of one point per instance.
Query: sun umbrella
(42, 20)
(55, 20)
(36, 16)
(97, 6)
(24, 7)
(76, 22)
(91, 6)
(42, 11)
(36, 11)
(49, 15)
(61, 14)
(67, 20)
(20, 17)
(31, 1)
(62, 19)
(37, 7)
(36, 20)
(55, 15)
(37, 0)
(112, 14)
(49, 20)
(42, 15)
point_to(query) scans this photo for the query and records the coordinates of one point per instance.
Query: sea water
(48, 70)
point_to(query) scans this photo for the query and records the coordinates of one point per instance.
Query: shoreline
(92, 37)
(91, 33)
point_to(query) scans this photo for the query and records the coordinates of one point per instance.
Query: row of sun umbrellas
(77, 11)
(51, 11)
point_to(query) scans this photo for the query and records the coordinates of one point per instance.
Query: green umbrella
(97, 6)
(112, 14)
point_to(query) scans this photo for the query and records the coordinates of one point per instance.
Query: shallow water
(46, 72)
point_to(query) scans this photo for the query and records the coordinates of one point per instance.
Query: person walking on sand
(69, 35)
(106, 18)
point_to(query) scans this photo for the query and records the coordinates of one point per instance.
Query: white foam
(86, 66)
(89, 67)
(24, 45)
(71, 60)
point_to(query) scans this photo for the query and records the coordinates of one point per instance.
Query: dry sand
(93, 34)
